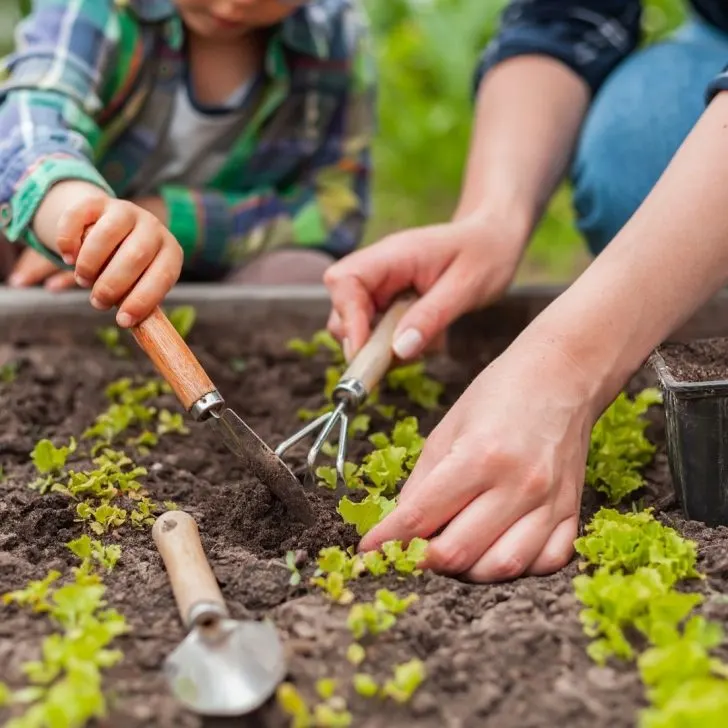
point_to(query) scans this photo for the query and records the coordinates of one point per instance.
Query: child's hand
(120, 251)
(32, 269)
(455, 268)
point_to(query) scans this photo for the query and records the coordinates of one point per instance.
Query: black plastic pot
(696, 415)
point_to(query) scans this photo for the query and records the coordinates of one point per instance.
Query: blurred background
(427, 51)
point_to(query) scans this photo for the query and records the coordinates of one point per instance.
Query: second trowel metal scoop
(198, 395)
(223, 667)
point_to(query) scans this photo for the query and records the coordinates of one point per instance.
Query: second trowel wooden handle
(374, 359)
(173, 359)
(177, 538)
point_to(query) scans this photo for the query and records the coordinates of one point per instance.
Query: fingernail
(98, 305)
(68, 259)
(408, 343)
(124, 320)
(82, 282)
(347, 349)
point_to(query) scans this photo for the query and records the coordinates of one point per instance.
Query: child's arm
(51, 196)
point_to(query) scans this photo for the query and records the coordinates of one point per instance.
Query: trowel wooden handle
(173, 359)
(374, 359)
(177, 538)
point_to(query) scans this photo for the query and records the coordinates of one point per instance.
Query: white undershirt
(188, 154)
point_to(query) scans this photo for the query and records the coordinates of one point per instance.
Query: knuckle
(84, 269)
(507, 567)
(537, 485)
(137, 257)
(105, 292)
(413, 520)
(332, 275)
(448, 558)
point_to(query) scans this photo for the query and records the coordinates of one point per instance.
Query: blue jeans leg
(637, 121)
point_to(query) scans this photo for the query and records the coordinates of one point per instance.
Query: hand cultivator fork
(356, 384)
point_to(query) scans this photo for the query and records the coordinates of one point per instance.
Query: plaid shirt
(589, 36)
(88, 93)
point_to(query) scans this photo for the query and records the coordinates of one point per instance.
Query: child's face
(233, 18)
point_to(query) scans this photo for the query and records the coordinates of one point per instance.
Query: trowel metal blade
(263, 463)
(233, 674)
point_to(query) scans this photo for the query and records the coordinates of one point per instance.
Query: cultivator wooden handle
(195, 588)
(375, 357)
(173, 359)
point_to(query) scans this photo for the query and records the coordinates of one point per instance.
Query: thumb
(432, 313)
(31, 269)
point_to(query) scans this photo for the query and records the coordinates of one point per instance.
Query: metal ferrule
(207, 405)
(350, 391)
(205, 614)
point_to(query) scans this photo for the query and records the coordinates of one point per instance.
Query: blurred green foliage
(427, 52)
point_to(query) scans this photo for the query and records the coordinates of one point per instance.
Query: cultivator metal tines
(349, 394)
(361, 377)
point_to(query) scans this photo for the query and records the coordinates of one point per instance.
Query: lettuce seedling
(36, 595)
(5, 695)
(365, 685)
(698, 703)
(332, 716)
(385, 468)
(50, 459)
(101, 519)
(627, 541)
(144, 442)
(619, 449)
(325, 688)
(405, 681)
(334, 585)
(378, 616)
(365, 514)
(143, 514)
(110, 337)
(183, 319)
(388, 601)
(375, 563)
(367, 618)
(8, 372)
(359, 425)
(89, 550)
(666, 667)
(293, 705)
(327, 477)
(406, 561)
(171, 423)
(616, 601)
(419, 387)
(321, 340)
(355, 653)
(292, 566)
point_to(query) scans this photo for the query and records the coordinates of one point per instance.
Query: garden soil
(508, 656)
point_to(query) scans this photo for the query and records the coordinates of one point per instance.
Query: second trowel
(198, 395)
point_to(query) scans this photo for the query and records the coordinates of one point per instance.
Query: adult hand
(455, 267)
(32, 269)
(498, 484)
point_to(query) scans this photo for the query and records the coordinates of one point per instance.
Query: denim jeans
(637, 121)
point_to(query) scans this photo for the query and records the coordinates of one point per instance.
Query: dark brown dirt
(505, 656)
(704, 360)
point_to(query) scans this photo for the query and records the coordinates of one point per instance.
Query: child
(142, 138)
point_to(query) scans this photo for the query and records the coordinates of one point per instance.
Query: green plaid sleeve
(50, 95)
